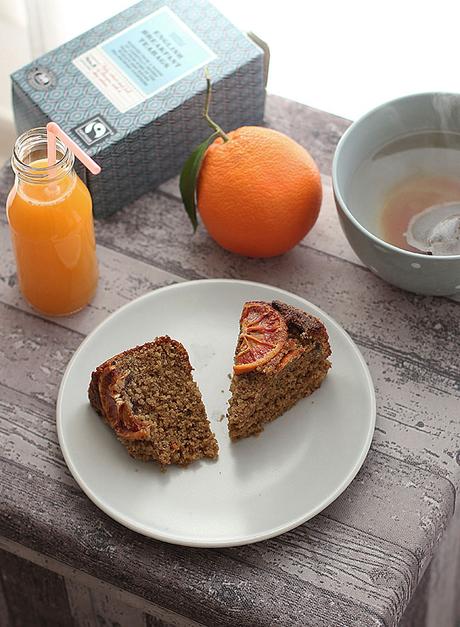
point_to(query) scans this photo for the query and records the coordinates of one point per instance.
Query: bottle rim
(34, 140)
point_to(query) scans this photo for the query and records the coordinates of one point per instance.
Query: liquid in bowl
(403, 178)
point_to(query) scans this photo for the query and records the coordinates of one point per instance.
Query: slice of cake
(281, 357)
(148, 397)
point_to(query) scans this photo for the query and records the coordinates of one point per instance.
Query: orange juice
(50, 215)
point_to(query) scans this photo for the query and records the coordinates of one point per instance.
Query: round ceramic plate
(259, 487)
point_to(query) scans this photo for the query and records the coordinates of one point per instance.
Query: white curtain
(52, 22)
(28, 29)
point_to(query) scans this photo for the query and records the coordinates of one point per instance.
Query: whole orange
(259, 193)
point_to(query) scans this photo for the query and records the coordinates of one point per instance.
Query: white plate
(260, 487)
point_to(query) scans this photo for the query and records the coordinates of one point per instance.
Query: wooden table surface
(357, 563)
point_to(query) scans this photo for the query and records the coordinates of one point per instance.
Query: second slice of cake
(281, 357)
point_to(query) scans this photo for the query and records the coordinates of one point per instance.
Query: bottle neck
(37, 181)
(30, 160)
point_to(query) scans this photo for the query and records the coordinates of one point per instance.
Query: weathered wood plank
(34, 353)
(28, 434)
(402, 503)
(4, 614)
(101, 607)
(6, 183)
(300, 569)
(443, 594)
(436, 599)
(35, 596)
(80, 603)
(417, 414)
(153, 621)
(80, 587)
(339, 569)
(416, 612)
(457, 602)
(110, 612)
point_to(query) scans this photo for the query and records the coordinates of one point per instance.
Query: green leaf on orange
(189, 178)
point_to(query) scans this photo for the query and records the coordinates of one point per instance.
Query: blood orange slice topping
(263, 332)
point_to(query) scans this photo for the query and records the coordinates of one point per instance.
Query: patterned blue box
(131, 92)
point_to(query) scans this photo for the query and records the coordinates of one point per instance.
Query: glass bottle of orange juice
(50, 215)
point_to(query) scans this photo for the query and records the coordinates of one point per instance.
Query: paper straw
(51, 141)
(53, 131)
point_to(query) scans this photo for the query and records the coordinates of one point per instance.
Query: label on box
(144, 59)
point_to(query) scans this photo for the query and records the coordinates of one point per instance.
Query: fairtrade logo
(94, 130)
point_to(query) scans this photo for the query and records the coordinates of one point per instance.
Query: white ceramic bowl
(416, 272)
